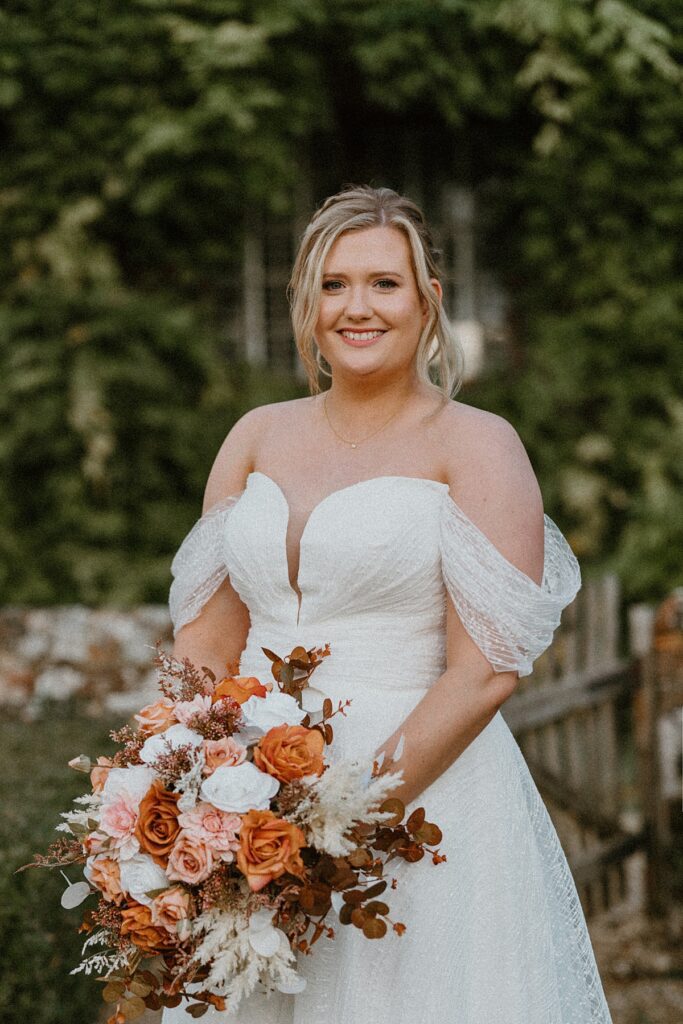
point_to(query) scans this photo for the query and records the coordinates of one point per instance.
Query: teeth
(361, 335)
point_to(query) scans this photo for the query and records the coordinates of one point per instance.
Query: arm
(498, 490)
(218, 634)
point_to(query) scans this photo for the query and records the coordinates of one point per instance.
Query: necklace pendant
(353, 445)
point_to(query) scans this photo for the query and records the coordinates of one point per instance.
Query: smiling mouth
(361, 337)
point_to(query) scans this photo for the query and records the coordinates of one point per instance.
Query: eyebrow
(373, 273)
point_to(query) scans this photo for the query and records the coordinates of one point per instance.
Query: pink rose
(190, 860)
(187, 709)
(227, 751)
(156, 717)
(119, 819)
(213, 828)
(172, 910)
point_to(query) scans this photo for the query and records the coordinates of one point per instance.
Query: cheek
(406, 311)
(328, 311)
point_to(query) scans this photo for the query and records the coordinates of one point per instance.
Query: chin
(362, 370)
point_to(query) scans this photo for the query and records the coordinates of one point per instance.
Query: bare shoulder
(236, 457)
(492, 480)
(475, 440)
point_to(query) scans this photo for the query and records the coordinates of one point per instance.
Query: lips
(360, 339)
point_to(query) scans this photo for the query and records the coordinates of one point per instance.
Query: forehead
(380, 248)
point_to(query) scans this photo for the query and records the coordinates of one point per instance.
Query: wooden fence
(582, 718)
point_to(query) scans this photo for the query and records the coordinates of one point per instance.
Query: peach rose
(96, 842)
(156, 717)
(157, 828)
(240, 688)
(190, 860)
(269, 847)
(219, 752)
(104, 874)
(290, 751)
(137, 925)
(98, 775)
(171, 910)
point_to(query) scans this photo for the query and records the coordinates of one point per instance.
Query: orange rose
(241, 688)
(269, 847)
(136, 924)
(290, 751)
(104, 874)
(157, 827)
(156, 717)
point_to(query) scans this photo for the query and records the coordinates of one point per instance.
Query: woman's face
(371, 313)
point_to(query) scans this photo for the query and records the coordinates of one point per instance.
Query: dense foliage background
(138, 140)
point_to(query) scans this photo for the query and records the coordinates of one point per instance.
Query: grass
(40, 940)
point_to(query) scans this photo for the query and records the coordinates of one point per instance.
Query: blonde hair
(353, 209)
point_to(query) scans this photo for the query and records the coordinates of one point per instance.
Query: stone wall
(103, 656)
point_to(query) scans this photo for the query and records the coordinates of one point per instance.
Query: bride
(407, 530)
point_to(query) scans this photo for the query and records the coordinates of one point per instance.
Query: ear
(436, 285)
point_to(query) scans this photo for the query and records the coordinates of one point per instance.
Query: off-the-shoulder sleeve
(198, 567)
(509, 616)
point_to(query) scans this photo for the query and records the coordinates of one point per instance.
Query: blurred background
(160, 160)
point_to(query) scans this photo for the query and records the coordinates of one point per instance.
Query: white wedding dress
(496, 935)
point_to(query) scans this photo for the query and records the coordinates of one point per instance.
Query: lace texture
(509, 616)
(496, 934)
(198, 567)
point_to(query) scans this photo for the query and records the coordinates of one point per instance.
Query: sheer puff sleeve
(199, 568)
(509, 616)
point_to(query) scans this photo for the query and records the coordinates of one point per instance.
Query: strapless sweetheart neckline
(293, 579)
(324, 501)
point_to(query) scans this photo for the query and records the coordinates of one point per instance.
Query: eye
(387, 281)
(330, 286)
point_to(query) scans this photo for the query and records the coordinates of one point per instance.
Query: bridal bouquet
(218, 839)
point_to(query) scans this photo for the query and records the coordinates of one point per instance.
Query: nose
(357, 305)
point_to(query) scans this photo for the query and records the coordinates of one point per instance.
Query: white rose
(172, 738)
(134, 780)
(239, 788)
(140, 875)
(276, 709)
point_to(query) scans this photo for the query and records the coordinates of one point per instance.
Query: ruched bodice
(380, 579)
(496, 934)
(385, 559)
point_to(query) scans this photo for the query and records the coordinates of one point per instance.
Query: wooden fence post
(646, 734)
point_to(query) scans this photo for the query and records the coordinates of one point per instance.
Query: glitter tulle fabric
(496, 935)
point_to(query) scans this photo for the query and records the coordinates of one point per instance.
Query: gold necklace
(355, 444)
